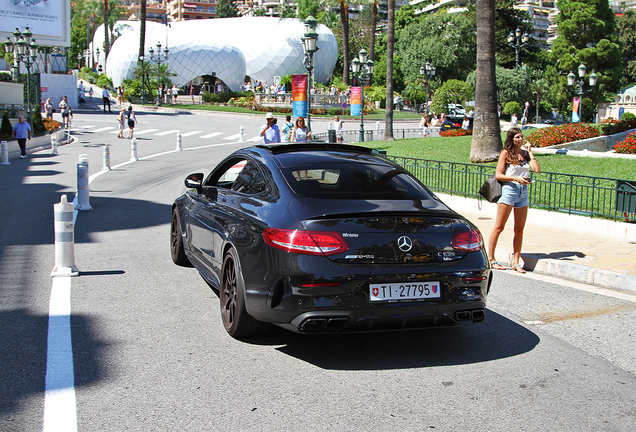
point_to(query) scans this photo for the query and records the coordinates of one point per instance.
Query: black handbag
(491, 189)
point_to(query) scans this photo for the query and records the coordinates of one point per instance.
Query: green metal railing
(572, 194)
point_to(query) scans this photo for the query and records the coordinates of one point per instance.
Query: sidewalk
(591, 251)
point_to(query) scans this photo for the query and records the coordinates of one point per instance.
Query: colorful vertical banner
(299, 95)
(575, 110)
(356, 99)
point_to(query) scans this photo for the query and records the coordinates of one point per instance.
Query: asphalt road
(150, 352)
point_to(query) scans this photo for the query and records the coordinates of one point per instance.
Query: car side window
(226, 179)
(249, 180)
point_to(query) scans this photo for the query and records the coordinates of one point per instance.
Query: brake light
(305, 242)
(467, 240)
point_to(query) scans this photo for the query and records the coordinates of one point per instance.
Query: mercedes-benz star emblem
(405, 244)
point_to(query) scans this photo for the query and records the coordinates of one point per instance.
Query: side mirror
(194, 181)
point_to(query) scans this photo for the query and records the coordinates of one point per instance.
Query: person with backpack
(132, 120)
(288, 128)
(121, 118)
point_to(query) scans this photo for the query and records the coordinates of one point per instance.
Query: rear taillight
(467, 240)
(305, 242)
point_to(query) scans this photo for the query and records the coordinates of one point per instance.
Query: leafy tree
(38, 123)
(452, 91)
(6, 130)
(446, 40)
(587, 34)
(226, 9)
(486, 143)
(627, 38)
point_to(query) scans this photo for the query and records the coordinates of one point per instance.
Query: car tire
(179, 256)
(237, 322)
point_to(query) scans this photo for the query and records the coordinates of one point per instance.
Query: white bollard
(106, 157)
(5, 153)
(179, 144)
(242, 132)
(133, 149)
(54, 144)
(64, 239)
(82, 185)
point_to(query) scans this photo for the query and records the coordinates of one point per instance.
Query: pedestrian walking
(300, 133)
(192, 93)
(175, 93)
(48, 107)
(338, 123)
(132, 121)
(513, 169)
(67, 112)
(106, 99)
(270, 131)
(22, 132)
(90, 93)
(289, 125)
(122, 122)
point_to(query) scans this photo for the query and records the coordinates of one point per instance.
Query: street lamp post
(363, 68)
(158, 60)
(518, 45)
(143, 93)
(577, 86)
(97, 49)
(24, 50)
(429, 71)
(310, 46)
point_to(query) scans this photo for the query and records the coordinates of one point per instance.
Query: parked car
(328, 238)
(456, 110)
(451, 122)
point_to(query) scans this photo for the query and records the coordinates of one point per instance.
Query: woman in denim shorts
(513, 170)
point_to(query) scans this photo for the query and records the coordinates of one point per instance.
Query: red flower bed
(456, 132)
(628, 145)
(51, 124)
(562, 134)
(612, 126)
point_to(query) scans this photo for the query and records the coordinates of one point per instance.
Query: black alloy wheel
(176, 242)
(237, 322)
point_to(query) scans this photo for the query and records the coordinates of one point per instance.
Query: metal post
(106, 157)
(82, 185)
(5, 153)
(64, 239)
(179, 144)
(133, 149)
(54, 143)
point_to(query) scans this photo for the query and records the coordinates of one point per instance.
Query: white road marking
(167, 132)
(256, 138)
(103, 129)
(145, 131)
(60, 408)
(212, 135)
(233, 137)
(187, 134)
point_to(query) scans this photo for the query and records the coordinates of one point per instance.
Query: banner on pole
(299, 95)
(575, 110)
(356, 99)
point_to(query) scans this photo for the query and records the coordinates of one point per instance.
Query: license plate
(404, 291)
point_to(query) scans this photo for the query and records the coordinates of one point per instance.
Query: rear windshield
(354, 181)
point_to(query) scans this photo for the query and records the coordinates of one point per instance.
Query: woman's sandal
(518, 268)
(495, 265)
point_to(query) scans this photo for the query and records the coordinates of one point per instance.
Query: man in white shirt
(106, 99)
(270, 131)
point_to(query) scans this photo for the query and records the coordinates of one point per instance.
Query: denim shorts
(514, 194)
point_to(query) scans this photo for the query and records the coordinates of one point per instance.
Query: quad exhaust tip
(326, 323)
(470, 315)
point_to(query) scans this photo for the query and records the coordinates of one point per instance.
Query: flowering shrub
(612, 126)
(562, 134)
(456, 132)
(51, 124)
(628, 145)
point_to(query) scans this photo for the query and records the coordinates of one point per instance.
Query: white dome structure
(261, 47)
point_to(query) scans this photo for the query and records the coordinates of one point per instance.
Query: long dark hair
(509, 145)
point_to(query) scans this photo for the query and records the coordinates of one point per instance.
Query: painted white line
(256, 138)
(103, 129)
(233, 137)
(60, 409)
(190, 133)
(212, 135)
(167, 132)
(145, 131)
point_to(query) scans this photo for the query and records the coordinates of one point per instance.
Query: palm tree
(388, 122)
(374, 23)
(344, 19)
(142, 30)
(142, 72)
(106, 33)
(486, 143)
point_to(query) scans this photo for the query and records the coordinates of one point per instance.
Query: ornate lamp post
(309, 40)
(24, 50)
(518, 45)
(363, 68)
(577, 86)
(158, 60)
(429, 71)
(143, 93)
(96, 66)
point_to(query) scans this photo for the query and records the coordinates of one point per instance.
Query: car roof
(315, 146)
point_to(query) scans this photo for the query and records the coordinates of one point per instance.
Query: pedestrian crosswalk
(195, 134)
